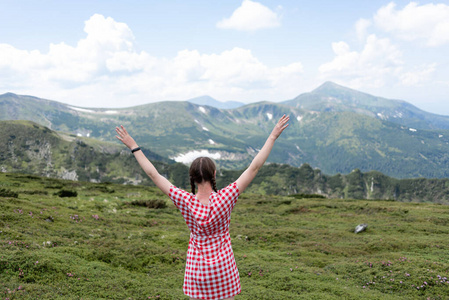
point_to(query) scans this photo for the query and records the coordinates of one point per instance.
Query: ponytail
(214, 185)
(192, 184)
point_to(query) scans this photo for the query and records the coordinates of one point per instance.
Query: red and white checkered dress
(211, 272)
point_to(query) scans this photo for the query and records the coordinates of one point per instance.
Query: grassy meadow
(76, 240)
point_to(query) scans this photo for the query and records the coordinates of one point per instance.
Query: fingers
(281, 125)
(284, 119)
(121, 131)
(283, 122)
(124, 130)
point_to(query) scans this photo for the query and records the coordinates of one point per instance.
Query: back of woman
(211, 271)
(208, 219)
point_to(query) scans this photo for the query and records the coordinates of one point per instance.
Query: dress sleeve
(179, 197)
(230, 194)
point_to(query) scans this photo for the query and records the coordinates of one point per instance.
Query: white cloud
(104, 69)
(251, 16)
(237, 66)
(361, 27)
(106, 34)
(129, 61)
(386, 61)
(428, 23)
(418, 76)
(71, 66)
(380, 63)
(372, 66)
(106, 39)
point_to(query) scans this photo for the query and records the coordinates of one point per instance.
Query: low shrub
(66, 193)
(298, 210)
(8, 193)
(153, 203)
(34, 192)
(303, 196)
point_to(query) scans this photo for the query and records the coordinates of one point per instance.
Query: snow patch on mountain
(82, 109)
(190, 156)
(90, 111)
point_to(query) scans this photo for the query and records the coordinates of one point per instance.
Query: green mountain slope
(338, 142)
(167, 128)
(333, 97)
(26, 147)
(46, 112)
(336, 139)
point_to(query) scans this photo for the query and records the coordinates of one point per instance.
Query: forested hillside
(26, 147)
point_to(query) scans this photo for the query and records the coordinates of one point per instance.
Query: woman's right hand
(160, 181)
(125, 138)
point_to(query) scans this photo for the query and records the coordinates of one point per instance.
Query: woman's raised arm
(160, 181)
(248, 175)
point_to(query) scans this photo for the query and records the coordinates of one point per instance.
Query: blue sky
(126, 53)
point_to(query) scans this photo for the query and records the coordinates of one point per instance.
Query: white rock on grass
(360, 228)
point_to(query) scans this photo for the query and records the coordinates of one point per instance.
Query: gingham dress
(211, 272)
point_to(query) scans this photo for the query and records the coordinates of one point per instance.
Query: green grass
(105, 243)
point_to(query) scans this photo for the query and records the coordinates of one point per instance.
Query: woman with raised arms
(211, 272)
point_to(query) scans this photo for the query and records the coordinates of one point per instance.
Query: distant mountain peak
(209, 101)
(332, 97)
(329, 85)
(202, 98)
(8, 94)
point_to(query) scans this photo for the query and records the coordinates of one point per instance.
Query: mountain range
(33, 149)
(333, 128)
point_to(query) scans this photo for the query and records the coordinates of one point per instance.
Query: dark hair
(202, 169)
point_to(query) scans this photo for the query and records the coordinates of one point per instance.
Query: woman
(211, 272)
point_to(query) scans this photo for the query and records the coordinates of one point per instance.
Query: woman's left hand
(125, 138)
(280, 126)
